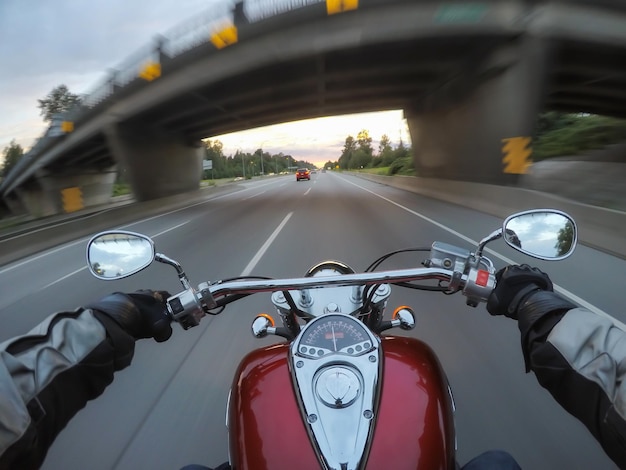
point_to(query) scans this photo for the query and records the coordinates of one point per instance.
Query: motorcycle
(351, 397)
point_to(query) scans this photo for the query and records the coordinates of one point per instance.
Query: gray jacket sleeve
(49, 374)
(580, 358)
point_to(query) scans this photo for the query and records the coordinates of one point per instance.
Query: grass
(120, 189)
(386, 171)
(381, 171)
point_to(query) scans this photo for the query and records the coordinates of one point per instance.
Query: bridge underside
(470, 93)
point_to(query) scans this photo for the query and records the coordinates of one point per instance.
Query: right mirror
(544, 233)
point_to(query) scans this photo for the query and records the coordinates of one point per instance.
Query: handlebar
(189, 306)
(118, 254)
(358, 279)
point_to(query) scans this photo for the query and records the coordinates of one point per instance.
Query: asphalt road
(168, 408)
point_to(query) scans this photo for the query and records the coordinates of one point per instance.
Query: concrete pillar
(478, 126)
(66, 192)
(11, 205)
(155, 163)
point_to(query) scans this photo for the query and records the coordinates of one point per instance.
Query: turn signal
(403, 317)
(262, 325)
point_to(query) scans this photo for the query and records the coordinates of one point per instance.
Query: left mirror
(114, 255)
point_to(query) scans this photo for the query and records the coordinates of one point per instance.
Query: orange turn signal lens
(271, 320)
(401, 307)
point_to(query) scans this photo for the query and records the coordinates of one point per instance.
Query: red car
(303, 174)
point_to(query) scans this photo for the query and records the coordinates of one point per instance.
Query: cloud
(46, 43)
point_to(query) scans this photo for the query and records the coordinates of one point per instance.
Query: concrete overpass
(470, 76)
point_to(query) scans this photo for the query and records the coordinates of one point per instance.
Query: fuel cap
(338, 387)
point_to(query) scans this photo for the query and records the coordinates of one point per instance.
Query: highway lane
(167, 409)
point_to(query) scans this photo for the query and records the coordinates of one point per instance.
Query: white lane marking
(254, 195)
(170, 229)
(307, 191)
(68, 245)
(65, 277)
(253, 262)
(58, 224)
(34, 258)
(557, 288)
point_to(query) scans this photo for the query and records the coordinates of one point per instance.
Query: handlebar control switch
(480, 283)
(185, 308)
(208, 302)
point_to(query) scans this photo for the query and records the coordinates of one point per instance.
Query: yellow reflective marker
(225, 37)
(517, 155)
(150, 71)
(339, 6)
(67, 126)
(72, 199)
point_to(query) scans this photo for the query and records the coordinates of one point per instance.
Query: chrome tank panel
(414, 428)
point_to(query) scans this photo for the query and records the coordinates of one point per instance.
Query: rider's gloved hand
(142, 314)
(513, 284)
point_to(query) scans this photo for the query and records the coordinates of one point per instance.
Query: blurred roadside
(596, 177)
(26, 237)
(589, 187)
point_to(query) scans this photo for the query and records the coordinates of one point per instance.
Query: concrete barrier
(604, 229)
(16, 245)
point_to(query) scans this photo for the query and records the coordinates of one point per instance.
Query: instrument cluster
(334, 334)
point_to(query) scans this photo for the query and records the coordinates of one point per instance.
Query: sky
(45, 43)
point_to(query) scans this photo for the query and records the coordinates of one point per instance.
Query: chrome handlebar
(189, 306)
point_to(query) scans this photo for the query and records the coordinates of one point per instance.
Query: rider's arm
(49, 374)
(580, 358)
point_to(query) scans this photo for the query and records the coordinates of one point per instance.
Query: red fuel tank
(414, 427)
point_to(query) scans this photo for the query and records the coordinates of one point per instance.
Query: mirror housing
(546, 234)
(118, 254)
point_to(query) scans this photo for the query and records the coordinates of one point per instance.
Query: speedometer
(333, 334)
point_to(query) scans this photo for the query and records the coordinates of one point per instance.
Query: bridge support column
(478, 126)
(66, 192)
(156, 163)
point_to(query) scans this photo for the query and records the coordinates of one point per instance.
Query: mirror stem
(179, 269)
(491, 237)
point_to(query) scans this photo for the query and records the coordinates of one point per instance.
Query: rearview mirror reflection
(115, 255)
(545, 234)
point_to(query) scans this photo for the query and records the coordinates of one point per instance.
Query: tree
(385, 152)
(59, 100)
(402, 161)
(11, 155)
(565, 239)
(364, 142)
(214, 151)
(562, 134)
(349, 148)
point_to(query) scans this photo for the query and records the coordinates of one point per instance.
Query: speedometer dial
(332, 334)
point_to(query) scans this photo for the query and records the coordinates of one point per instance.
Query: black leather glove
(513, 284)
(142, 314)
